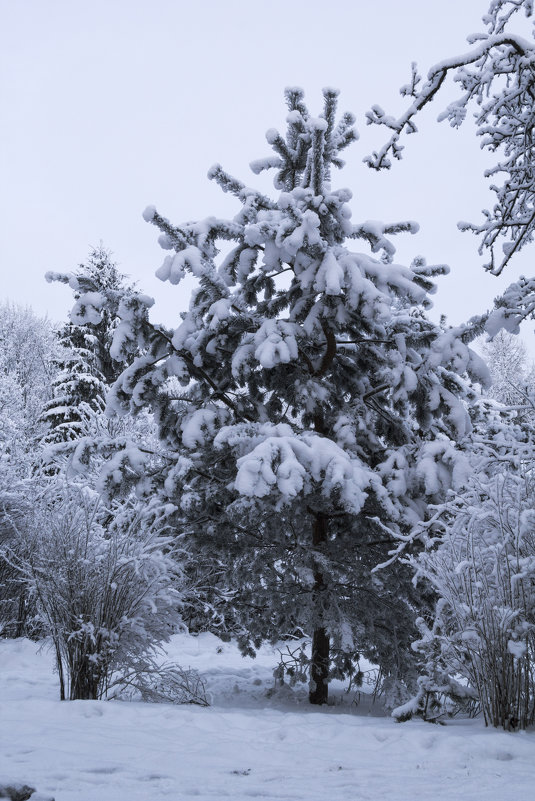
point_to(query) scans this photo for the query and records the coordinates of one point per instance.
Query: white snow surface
(242, 747)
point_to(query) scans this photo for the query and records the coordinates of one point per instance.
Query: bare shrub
(15, 608)
(105, 587)
(166, 683)
(484, 573)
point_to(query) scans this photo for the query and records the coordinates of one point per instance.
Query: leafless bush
(14, 607)
(104, 588)
(484, 573)
(166, 683)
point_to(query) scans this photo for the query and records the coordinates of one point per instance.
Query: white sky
(111, 105)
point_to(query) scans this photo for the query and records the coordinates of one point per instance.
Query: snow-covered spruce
(85, 367)
(78, 391)
(307, 405)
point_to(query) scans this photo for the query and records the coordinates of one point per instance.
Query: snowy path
(112, 751)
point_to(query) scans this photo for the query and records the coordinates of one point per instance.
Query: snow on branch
(497, 79)
(516, 304)
(230, 184)
(374, 232)
(289, 465)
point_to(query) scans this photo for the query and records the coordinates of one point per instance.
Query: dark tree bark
(21, 615)
(319, 672)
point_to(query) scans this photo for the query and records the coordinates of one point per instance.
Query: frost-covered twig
(497, 78)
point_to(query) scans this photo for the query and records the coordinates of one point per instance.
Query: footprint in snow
(503, 756)
(153, 777)
(103, 770)
(381, 738)
(92, 712)
(428, 742)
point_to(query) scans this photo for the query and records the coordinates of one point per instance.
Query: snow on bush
(105, 585)
(484, 572)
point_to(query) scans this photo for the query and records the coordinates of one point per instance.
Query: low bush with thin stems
(106, 586)
(483, 570)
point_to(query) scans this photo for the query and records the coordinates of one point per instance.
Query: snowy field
(244, 746)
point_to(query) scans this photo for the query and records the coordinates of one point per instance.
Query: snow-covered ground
(244, 746)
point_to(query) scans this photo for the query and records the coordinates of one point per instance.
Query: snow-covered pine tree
(307, 405)
(85, 367)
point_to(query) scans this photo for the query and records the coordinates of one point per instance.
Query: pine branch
(239, 189)
(198, 372)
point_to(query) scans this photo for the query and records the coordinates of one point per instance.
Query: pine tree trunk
(319, 672)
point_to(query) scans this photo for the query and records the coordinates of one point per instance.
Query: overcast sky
(111, 105)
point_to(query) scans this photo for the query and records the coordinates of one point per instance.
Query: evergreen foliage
(85, 367)
(77, 390)
(307, 406)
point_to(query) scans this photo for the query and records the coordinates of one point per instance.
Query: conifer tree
(77, 390)
(85, 367)
(307, 406)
